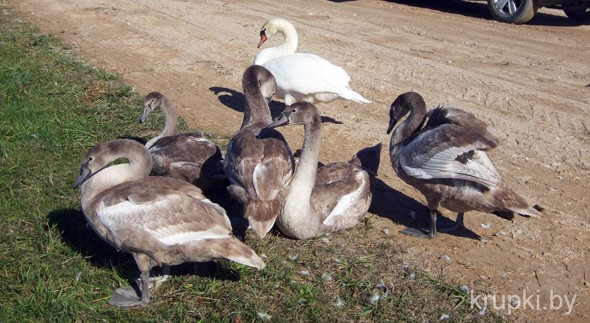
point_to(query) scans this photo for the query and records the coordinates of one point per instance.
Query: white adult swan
(159, 220)
(446, 161)
(301, 76)
(189, 156)
(321, 200)
(258, 163)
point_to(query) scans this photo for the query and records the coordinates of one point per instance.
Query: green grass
(53, 107)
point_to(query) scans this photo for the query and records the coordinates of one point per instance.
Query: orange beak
(262, 39)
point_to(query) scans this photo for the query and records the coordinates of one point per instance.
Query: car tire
(513, 11)
(581, 16)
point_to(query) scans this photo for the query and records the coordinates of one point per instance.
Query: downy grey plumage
(442, 154)
(189, 156)
(258, 164)
(159, 220)
(327, 199)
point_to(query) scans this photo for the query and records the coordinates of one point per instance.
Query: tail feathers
(518, 205)
(506, 200)
(262, 215)
(354, 96)
(237, 251)
(507, 215)
(532, 211)
(538, 208)
(527, 212)
(230, 248)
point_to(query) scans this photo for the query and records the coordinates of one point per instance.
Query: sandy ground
(531, 82)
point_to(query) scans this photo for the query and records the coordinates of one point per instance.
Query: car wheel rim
(507, 7)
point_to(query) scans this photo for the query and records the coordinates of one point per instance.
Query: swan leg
(135, 295)
(460, 220)
(129, 296)
(126, 297)
(425, 233)
(434, 229)
(455, 226)
(433, 216)
(145, 286)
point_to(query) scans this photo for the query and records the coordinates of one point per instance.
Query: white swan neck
(289, 45)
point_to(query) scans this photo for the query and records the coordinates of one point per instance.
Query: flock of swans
(154, 206)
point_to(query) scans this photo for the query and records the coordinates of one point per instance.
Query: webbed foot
(417, 232)
(441, 224)
(129, 296)
(452, 226)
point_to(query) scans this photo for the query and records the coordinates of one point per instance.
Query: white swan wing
(307, 73)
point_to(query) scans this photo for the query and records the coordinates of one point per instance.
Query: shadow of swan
(235, 100)
(397, 207)
(79, 236)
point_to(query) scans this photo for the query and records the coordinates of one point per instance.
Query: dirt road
(531, 82)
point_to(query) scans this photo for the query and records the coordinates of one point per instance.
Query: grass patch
(53, 108)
